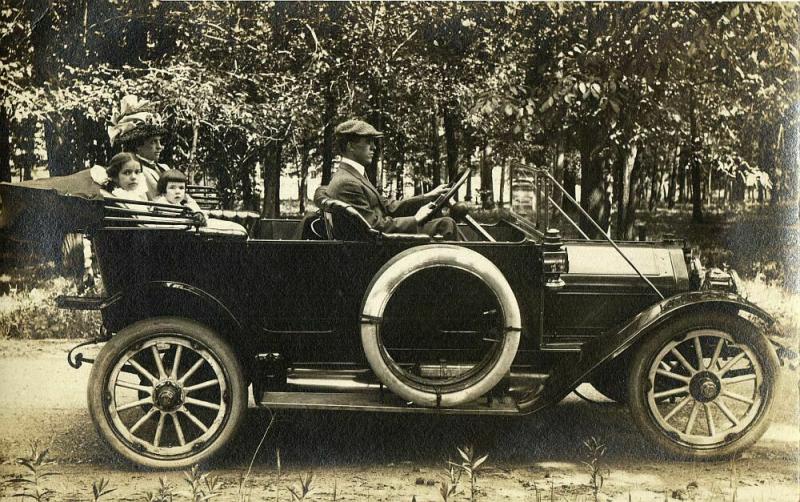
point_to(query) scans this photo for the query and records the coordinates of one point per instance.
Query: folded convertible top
(37, 210)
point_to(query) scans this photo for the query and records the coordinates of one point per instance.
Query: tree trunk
(451, 140)
(501, 201)
(249, 202)
(697, 199)
(193, 148)
(569, 186)
(684, 159)
(468, 144)
(593, 195)
(272, 180)
(436, 164)
(628, 231)
(305, 165)
(73, 141)
(401, 166)
(769, 141)
(419, 186)
(5, 145)
(559, 171)
(55, 144)
(23, 135)
(624, 191)
(511, 184)
(487, 190)
(674, 157)
(327, 136)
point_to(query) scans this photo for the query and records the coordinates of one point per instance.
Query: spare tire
(447, 390)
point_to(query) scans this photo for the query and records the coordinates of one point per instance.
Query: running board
(378, 401)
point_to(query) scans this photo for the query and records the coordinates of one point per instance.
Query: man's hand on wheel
(441, 189)
(424, 212)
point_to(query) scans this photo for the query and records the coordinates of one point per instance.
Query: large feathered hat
(134, 120)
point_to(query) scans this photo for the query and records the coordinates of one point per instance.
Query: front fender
(566, 376)
(167, 298)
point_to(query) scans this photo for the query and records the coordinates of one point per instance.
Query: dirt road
(380, 457)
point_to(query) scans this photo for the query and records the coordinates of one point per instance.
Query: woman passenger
(138, 129)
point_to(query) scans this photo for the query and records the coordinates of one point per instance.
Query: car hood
(599, 258)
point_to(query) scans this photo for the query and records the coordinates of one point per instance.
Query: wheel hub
(168, 396)
(705, 386)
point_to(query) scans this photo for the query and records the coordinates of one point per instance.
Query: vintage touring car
(506, 321)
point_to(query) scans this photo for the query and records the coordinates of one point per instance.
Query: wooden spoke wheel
(703, 387)
(167, 393)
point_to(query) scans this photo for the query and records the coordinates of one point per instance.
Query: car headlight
(724, 280)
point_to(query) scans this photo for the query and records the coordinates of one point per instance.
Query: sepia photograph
(405, 251)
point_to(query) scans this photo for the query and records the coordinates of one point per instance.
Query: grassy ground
(28, 309)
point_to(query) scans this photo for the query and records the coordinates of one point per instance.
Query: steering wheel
(444, 198)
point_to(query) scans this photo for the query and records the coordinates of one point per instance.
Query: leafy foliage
(634, 92)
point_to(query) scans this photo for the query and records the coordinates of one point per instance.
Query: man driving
(356, 141)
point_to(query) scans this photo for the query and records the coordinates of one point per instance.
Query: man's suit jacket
(386, 215)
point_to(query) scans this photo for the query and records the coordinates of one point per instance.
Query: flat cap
(357, 128)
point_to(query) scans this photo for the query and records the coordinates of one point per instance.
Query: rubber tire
(175, 326)
(380, 290)
(742, 332)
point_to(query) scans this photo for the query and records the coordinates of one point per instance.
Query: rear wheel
(167, 393)
(702, 387)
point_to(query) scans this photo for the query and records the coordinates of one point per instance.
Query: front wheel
(167, 393)
(702, 387)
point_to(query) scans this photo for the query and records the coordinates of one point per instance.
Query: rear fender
(169, 298)
(567, 375)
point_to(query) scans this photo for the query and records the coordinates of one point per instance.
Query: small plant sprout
(36, 464)
(278, 474)
(595, 449)
(164, 493)
(449, 486)
(202, 486)
(471, 464)
(301, 492)
(100, 488)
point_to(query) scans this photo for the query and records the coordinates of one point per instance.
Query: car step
(379, 402)
(70, 302)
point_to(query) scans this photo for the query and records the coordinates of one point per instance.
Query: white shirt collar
(352, 163)
(159, 168)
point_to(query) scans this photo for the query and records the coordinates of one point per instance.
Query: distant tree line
(673, 102)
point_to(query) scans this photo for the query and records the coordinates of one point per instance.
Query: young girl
(123, 178)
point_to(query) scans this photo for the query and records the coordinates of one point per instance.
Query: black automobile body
(507, 321)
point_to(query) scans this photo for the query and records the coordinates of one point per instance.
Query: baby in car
(171, 189)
